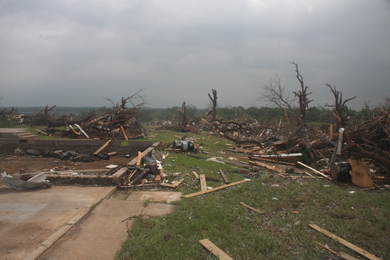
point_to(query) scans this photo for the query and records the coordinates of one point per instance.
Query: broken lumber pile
(120, 122)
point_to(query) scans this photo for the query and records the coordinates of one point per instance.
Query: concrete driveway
(30, 219)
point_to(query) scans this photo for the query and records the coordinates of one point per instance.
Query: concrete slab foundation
(99, 235)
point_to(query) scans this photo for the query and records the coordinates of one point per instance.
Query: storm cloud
(74, 53)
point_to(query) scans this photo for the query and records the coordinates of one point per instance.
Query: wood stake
(249, 207)
(214, 250)
(212, 190)
(344, 242)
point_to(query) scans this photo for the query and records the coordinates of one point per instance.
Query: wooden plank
(360, 173)
(123, 132)
(314, 170)
(224, 177)
(111, 154)
(344, 242)
(274, 160)
(249, 207)
(139, 158)
(214, 250)
(175, 185)
(101, 148)
(268, 166)
(212, 190)
(203, 184)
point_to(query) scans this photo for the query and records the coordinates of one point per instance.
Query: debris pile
(120, 122)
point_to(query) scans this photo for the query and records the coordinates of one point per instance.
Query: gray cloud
(75, 53)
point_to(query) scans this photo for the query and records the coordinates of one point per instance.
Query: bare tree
(213, 110)
(183, 119)
(302, 95)
(276, 94)
(339, 106)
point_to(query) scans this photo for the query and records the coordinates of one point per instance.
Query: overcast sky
(74, 53)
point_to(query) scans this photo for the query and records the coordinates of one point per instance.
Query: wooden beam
(214, 250)
(224, 177)
(344, 242)
(314, 170)
(212, 190)
(101, 148)
(203, 184)
(123, 132)
(249, 207)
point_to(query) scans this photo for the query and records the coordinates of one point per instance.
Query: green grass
(361, 218)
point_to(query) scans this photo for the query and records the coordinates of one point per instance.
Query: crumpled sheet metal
(18, 184)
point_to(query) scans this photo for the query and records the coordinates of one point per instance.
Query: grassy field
(282, 232)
